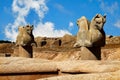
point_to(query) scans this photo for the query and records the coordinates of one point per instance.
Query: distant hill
(3, 41)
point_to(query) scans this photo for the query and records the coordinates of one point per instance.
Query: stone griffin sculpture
(25, 36)
(91, 34)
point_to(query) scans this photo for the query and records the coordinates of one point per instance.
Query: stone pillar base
(92, 53)
(25, 51)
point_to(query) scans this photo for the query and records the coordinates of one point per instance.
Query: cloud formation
(47, 29)
(117, 24)
(112, 9)
(21, 9)
(62, 9)
(109, 8)
(71, 24)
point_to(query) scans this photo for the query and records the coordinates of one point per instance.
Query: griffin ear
(32, 26)
(104, 16)
(97, 15)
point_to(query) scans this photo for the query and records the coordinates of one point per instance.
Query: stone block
(86, 54)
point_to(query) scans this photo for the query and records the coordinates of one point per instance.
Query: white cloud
(71, 24)
(21, 9)
(107, 8)
(117, 24)
(62, 9)
(47, 29)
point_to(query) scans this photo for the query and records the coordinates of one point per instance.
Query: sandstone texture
(113, 39)
(95, 76)
(56, 59)
(65, 70)
(62, 47)
(19, 65)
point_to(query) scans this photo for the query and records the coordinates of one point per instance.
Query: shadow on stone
(96, 51)
(26, 51)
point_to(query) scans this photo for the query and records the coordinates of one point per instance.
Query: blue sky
(54, 18)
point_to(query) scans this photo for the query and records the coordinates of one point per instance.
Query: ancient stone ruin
(62, 58)
(24, 41)
(91, 34)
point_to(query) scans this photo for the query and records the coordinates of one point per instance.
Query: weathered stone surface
(113, 40)
(38, 40)
(69, 53)
(57, 54)
(62, 56)
(25, 41)
(56, 43)
(88, 66)
(19, 65)
(12, 68)
(82, 53)
(97, 34)
(115, 55)
(22, 65)
(68, 40)
(25, 35)
(25, 51)
(95, 76)
(83, 37)
(86, 54)
(111, 54)
(91, 34)
(26, 76)
(74, 54)
(6, 47)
